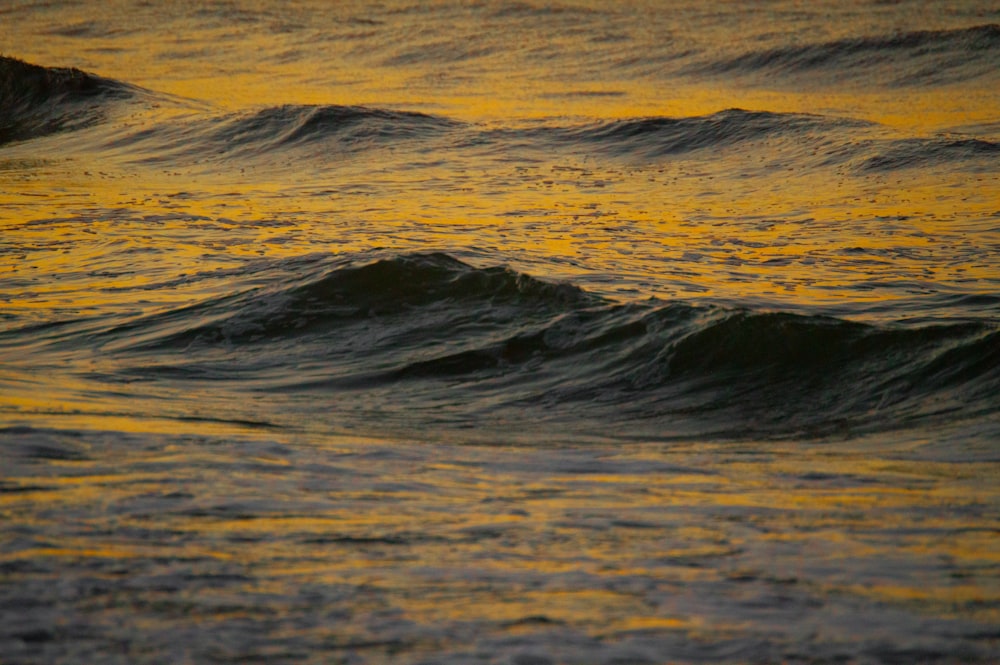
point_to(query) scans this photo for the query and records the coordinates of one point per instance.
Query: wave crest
(36, 101)
(387, 289)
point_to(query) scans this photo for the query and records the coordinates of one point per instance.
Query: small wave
(294, 125)
(915, 153)
(36, 101)
(242, 136)
(911, 58)
(495, 344)
(661, 136)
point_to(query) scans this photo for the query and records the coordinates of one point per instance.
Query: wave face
(454, 345)
(35, 101)
(923, 57)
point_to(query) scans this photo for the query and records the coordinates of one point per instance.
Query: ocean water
(500, 332)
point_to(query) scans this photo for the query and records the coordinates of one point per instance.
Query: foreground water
(500, 332)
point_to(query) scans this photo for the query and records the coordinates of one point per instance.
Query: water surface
(499, 332)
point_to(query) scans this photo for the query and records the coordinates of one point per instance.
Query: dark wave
(680, 370)
(427, 333)
(661, 136)
(293, 125)
(394, 288)
(243, 135)
(36, 101)
(916, 153)
(911, 58)
(321, 131)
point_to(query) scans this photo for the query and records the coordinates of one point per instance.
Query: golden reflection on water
(436, 548)
(660, 229)
(468, 543)
(325, 56)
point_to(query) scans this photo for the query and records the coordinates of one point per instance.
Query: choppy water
(500, 332)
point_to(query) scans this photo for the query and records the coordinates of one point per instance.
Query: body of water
(500, 332)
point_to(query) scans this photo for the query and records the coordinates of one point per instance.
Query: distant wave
(278, 128)
(349, 129)
(660, 136)
(39, 101)
(292, 125)
(830, 140)
(911, 58)
(491, 342)
(35, 101)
